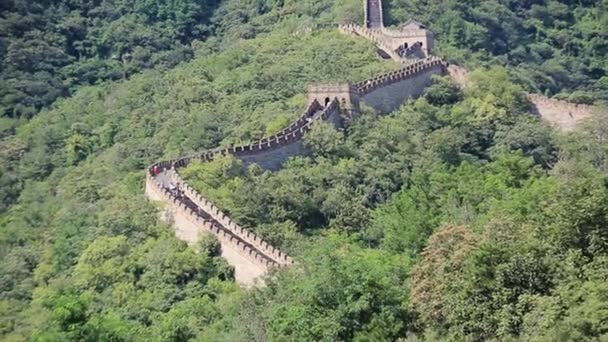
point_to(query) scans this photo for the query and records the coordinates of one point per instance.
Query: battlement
(347, 95)
(367, 86)
(276, 257)
(390, 40)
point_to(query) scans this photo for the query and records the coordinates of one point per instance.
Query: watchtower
(413, 32)
(346, 93)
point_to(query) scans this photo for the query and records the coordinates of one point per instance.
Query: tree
(438, 272)
(442, 92)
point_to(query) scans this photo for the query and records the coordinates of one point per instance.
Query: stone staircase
(373, 14)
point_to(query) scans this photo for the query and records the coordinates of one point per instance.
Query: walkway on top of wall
(374, 14)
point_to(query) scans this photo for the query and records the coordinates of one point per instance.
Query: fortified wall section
(189, 224)
(273, 256)
(270, 152)
(562, 114)
(389, 91)
(191, 214)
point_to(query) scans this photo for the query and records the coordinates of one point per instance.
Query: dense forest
(460, 216)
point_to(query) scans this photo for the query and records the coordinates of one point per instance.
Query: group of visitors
(174, 188)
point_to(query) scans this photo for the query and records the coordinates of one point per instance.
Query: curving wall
(191, 214)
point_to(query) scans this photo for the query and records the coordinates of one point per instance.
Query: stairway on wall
(374, 14)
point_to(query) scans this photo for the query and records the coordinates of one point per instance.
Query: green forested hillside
(458, 217)
(50, 47)
(551, 47)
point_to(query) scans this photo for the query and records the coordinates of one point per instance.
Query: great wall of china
(192, 215)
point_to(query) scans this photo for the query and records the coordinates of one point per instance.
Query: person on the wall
(178, 191)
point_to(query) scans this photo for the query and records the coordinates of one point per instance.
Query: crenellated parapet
(275, 256)
(367, 86)
(193, 214)
(259, 253)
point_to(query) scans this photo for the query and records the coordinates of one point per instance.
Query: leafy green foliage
(51, 47)
(550, 46)
(457, 217)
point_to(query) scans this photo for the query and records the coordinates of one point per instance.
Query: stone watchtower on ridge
(413, 33)
(346, 93)
(411, 39)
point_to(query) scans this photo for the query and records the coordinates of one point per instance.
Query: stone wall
(388, 92)
(274, 150)
(191, 214)
(274, 159)
(562, 114)
(249, 265)
(274, 256)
